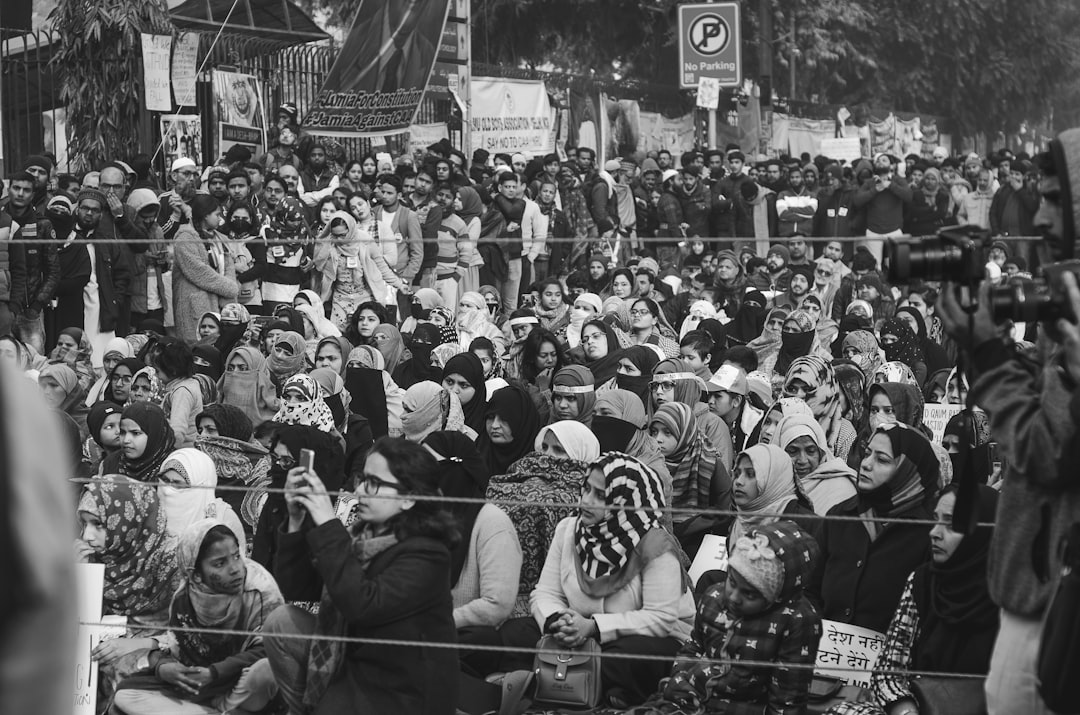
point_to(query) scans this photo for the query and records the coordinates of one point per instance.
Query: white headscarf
(184, 505)
(577, 439)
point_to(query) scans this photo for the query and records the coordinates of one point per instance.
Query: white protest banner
(937, 417)
(843, 149)
(712, 556)
(509, 116)
(708, 92)
(156, 50)
(184, 67)
(421, 136)
(843, 647)
(90, 584)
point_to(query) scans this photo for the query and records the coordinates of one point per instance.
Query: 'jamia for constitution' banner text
(378, 79)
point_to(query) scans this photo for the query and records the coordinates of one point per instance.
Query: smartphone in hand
(307, 459)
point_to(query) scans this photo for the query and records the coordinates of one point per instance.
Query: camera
(1027, 302)
(955, 255)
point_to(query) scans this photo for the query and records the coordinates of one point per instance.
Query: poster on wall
(240, 116)
(511, 116)
(181, 136)
(155, 55)
(184, 68)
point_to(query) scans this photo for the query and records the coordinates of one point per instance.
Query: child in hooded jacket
(759, 613)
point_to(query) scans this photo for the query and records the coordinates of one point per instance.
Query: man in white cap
(727, 390)
(175, 208)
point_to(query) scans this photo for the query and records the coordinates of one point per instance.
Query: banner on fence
(378, 80)
(156, 50)
(184, 68)
(844, 647)
(511, 115)
(844, 149)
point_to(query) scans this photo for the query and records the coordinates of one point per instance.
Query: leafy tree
(99, 61)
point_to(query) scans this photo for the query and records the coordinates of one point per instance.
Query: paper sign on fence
(844, 647)
(712, 556)
(90, 584)
(937, 417)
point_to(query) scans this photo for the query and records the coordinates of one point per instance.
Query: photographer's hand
(967, 332)
(1070, 331)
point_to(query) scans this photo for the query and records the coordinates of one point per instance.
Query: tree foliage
(99, 62)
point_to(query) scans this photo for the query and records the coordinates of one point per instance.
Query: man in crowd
(975, 208)
(883, 197)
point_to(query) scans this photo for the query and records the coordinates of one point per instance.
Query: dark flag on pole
(378, 79)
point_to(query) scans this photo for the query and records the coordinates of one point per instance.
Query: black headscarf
(750, 320)
(293, 317)
(462, 473)
(213, 356)
(958, 622)
(906, 349)
(368, 392)
(936, 357)
(644, 359)
(516, 408)
(469, 367)
(604, 368)
(231, 421)
(418, 368)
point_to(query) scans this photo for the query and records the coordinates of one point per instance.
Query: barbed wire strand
(359, 640)
(689, 511)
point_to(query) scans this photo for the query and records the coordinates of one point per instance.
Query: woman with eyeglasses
(599, 352)
(675, 381)
(812, 379)
(647, 327)
(285, 449)
(387, 576)
(867, 563)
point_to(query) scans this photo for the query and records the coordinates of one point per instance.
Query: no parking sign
(709, 44)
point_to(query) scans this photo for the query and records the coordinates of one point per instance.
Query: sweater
(487, 586)
(653, 604)
(455, 249)
(884, 209)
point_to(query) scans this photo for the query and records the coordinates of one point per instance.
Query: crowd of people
(269, 371)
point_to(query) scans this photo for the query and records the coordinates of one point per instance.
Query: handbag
(1059, 647)
(567, 677)
(942, 695)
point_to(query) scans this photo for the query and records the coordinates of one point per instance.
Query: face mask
(418, 311)
(240, 225)
(62, 222)
(578, 316)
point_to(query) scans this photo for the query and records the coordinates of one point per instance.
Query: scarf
(915, 475)
(514, 406)
(341, 345)
(355, 248)
(250, 390)
(819, 377)
(688, 385)
(576, 439)
(577, 382)
(239, 463)
(448, 331)
(462, 474)
(645, 360)
(603, 368)
(140, 559)
(471, 205)
(157, 389)
(283, 367)
(775, 479)
(390, 343)
(186, 504)
(469, 368)
(867, 353)
(750, 320)
(832, 481)
(311, 410)
(212, 356)
(906, 349)
(95, 420)
(65, 377)
(160, 443)
(691, 463)
(429, 408)
(906, 400)
(612, 552)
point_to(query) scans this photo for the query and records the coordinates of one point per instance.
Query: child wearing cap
(759, 613)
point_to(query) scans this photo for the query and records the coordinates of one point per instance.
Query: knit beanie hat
(863, 260)
(781, 251)
(650, 165)
(37, 160)
(90, 193)
(872, 280)
(758, 564)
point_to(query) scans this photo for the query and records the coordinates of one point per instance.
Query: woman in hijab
(226, 436)
(122, 525)
(208, 361)
(392, 346)
(675, 381)
(248, 384)
(74, 349)
(767, 344)
(374, 393)
(764, 491)
(474, 321)
(634, 371)
(648, 327)
(235, 321)
(116, 350)
(430, 408)
(700, 310)
(443, 318)
(302, 404)
(551, 474)
(599, 351)
(333, 353)
(935, 355)
(826, 480)
(186, 483)
(511, 423)
(287, 358)
(616, 575)
(471, 211)
(813, 379)
(750, 320)
(730, 284)
(784, 407)
(103, 425)
(417, 367)
(236, 596)
(852, 384)
(485, 566)
(699, 478)
(866, 563)
(316, 326)
(946, 621)
(798, 338)
(62, 391)
(488, 354)
(464, 376)
(861, 347)
(936, 387)
(893, 372)
(146, 439)
(624, 428)
(573, 395)
(350, 268)
(901, 345)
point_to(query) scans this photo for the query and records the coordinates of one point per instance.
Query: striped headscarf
(312, 409)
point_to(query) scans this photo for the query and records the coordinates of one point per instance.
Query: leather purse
(942, 695)
(567, 677)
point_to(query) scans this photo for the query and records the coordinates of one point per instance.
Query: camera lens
(1025, 303)
(929, 259)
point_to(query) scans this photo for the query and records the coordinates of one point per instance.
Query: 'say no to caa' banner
(378, 79)
(510, 116)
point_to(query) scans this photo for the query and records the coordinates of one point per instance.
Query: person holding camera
(884, 197)
(1038, 408)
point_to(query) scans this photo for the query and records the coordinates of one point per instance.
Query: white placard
(184, 67)
(708, 92)
(842, 149)
(843, 647)
(156, 50)
(712, 556)
(937, 417)
(90, 586)
(511, 115)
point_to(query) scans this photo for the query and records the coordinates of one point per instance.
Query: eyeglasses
(371, 484)
(593, 337)
(285, 461)
(658, 385)
(122, 379)
(639, 313)
(823, 273)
